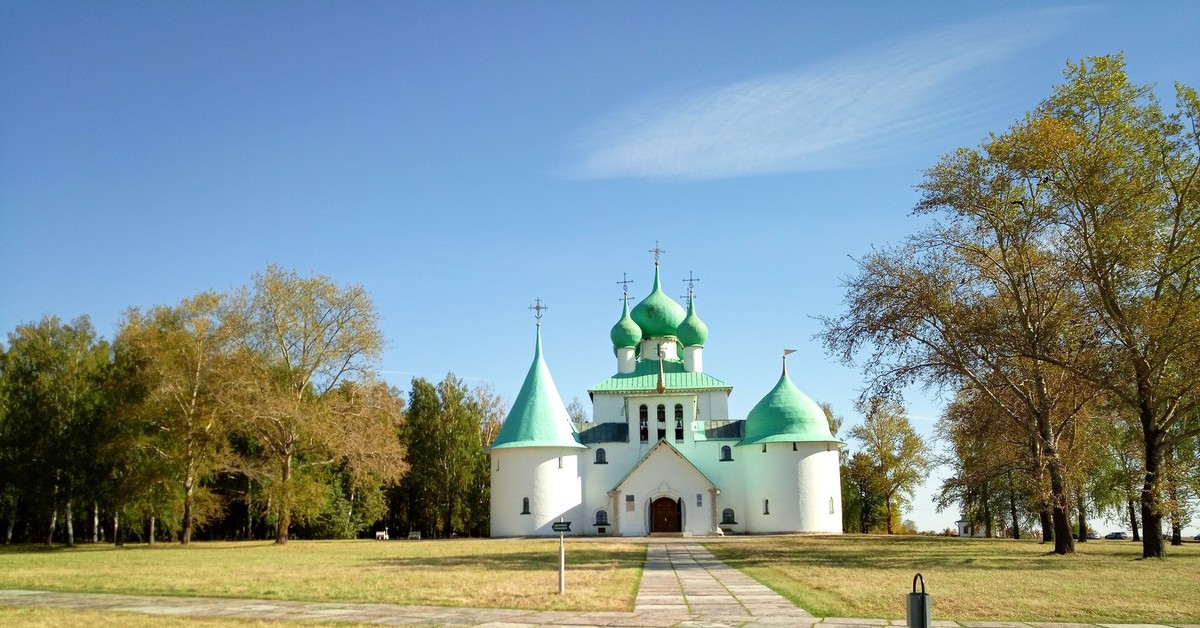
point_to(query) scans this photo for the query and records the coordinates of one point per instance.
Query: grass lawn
(973, 579)
(57, 617)
(484, 573)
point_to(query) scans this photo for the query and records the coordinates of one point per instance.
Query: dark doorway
(665, 515)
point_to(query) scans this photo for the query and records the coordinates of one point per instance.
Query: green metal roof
(658, 314)
(644, 378)
(625, 333)
(786, 415)
(538, 417)
(692, 331)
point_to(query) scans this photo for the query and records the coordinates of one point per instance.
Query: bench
(381, 535)
(414, 536)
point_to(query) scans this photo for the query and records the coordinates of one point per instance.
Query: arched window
(726, 453)
(831, 505)
(524, 505)
(727, 516)
(764, 448)
(601, 456)
(679, 423)
(794, 447)
(601, 517)
(662, 421)
(766, 506)
(643, 419)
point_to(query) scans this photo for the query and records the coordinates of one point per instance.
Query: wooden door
(664, 515)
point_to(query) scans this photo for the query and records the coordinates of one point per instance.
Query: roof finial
(537, 308)
(657, 253)
(786, 353)
(691, 282)
(625, 281)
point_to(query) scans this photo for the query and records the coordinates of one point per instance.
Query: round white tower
(791, 462)
(535, 459)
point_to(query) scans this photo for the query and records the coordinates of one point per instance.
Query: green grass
(57, 617)
(484, 573)
(973, 579)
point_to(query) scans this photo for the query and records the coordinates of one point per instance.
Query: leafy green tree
(53, 389)
(185, 353)
(900, 457)
(297, 340)
(863, 507)
(1122, 178)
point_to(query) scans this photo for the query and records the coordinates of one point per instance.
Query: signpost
(560, 527)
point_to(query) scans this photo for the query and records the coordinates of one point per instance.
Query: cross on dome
(625, 281)
(657, 253)
(537, 308)
(691, 282)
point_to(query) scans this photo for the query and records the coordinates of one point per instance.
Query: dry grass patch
(476, 572)
(973, 579)
(58, 617)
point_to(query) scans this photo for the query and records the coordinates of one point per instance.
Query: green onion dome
(625, 333)
(658, 314)
(692, 331)
(786, 415)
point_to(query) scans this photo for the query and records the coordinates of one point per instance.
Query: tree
(492, 411)
(53, 389)
(298, 339)
(184, 351)
(899, 456)
(576, 411)
(1123, 180)
(863, 506)
(835, 421)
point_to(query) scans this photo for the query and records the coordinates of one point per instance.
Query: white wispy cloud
(830, 114)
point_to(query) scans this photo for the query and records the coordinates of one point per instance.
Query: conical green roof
(538, 417)
(692, 331)
(786, 415)
(625, 333)
(658, 314)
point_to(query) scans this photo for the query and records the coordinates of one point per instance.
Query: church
(661, 455)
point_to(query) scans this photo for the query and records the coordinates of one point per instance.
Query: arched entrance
(666, 515)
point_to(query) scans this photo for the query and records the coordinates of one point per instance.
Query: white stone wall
(548, 476)
(797, 488)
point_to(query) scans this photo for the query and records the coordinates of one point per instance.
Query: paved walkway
(683, 585)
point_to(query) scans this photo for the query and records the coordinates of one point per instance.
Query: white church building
(661, 455)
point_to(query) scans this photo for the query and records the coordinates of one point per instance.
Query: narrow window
(643, 420)
(662, 421)
(601, 456)
(601, 517)
(794, 447)
(764, 448)
(699, 499)
(560, 462)
(629, 503)
(727, 516)
(679, 423)
(831, 505)
(766, 506)
(726, 453)
(525, 506)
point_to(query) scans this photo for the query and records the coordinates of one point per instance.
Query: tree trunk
(1012, 507)
(285, 502)
(987, 511)
(70, 525)
(151, 537)
(1063, 543)
(95, 522)
(1047, 525)
(888, 511)
(53, 524)
(1082, 516)
(1152, 545)
(12, 523)
(1133, 522)
(118, 532)
(189, 482)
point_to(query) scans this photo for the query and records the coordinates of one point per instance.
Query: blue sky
(461, 159)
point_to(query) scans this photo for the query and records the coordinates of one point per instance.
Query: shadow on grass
(899, 553)
(579, 560)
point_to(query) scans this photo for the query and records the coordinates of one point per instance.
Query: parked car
(1115, 536)
(1093, 535)
(1196, 538)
